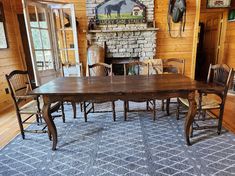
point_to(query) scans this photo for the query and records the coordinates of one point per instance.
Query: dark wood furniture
(126, 88)
(220, 75)
(138, 68)
(73, 70)
(27, 105)
(99, 69)
(176, 66)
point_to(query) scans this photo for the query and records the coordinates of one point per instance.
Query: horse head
(124, 2)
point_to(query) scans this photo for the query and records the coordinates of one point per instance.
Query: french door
(52, 36)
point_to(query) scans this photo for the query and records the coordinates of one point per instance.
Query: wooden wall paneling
(10, 58)
(168, 47)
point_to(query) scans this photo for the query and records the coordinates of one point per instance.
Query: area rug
(136, 147)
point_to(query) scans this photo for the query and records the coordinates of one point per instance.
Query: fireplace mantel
(123, 30)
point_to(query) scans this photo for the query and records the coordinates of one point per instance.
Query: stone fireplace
(125, 41)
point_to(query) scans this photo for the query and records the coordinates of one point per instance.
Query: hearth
(118, 63)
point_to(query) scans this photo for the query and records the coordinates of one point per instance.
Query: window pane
(71, 57)
(49, 61)
(42, 18)
(45, 39)
(67, 18)
(69, 39)
(39, 60)
(60, 40)
(32, 16)
(36, 39)
(63, 56)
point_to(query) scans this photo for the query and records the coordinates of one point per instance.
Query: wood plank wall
(229, 45)
(168, 47)
(10, 58)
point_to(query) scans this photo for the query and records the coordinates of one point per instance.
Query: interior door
(211, 41)
(52, 35)
(65, 25)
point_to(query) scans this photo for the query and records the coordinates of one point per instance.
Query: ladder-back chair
(207, 101)
(175, 66)
(99, 69)
(27, 106)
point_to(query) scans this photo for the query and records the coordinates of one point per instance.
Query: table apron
(144, 96)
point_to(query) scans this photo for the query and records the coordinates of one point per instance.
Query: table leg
(50, 124)
(190, 116)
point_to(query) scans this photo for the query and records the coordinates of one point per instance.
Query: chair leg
(62, 109)
(147, 105)
(113, 108)
(93, 107)
(81, 107)
(37, 118)
(125, 110)
(154, 110)
(20, 124)
(168, 106)
(163, 105)
(178, 109)
(85, 114)
(127, 106)
(74, 109)
(220, 119)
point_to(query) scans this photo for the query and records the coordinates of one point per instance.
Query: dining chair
(207, 101)
(98, 69)
(138, 68)
(73, 70)
(28, 106)
(175, 66)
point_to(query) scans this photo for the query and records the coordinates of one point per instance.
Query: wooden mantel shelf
(122, 30)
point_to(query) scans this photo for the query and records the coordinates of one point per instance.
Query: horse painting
(114, 7)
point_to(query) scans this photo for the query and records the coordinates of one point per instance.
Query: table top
(122, 84)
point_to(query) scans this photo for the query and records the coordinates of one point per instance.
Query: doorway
(52, 37)
(209, 42)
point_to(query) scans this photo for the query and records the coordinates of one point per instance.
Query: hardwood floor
(9, 126)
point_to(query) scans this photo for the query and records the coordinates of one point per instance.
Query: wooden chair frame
(176, 66)
(139, 64)
(107, 72)
(221, 75)
(23, 86)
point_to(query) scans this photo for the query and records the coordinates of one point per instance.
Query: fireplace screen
(120, 12)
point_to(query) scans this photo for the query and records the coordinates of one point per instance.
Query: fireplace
(126, 40)
(118, 63)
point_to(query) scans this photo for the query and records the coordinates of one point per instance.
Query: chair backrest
(155, 66)
(19, 85)
(220, 74)
(174, 65)
(136, 68)
(72, 70)
(100, 69)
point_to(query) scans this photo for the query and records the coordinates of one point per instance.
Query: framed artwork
(218, 3)
(120, 12)
(3, 38)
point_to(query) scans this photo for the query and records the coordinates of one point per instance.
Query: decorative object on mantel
(92, 24)
(3, 38)
(218, 3)
(176, 14)
(120, 12)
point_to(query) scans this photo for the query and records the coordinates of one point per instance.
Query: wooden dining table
(126, 88)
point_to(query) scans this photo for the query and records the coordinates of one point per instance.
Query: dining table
(126, 88)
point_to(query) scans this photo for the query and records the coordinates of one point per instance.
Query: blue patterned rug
(136, 147)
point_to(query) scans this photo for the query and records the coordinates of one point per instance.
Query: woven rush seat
(32, 107)
(208, 102)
